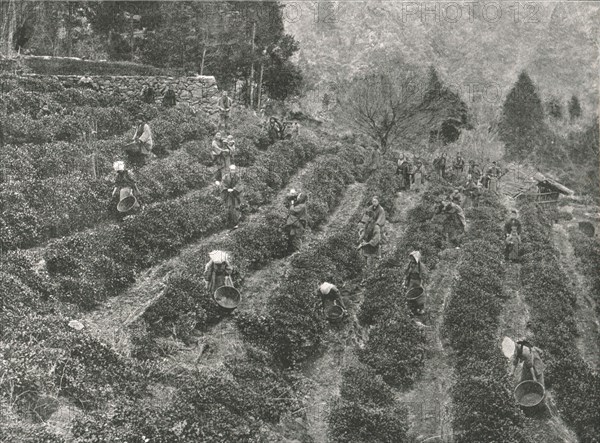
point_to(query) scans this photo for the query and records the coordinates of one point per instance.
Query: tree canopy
(228, 39)
(522, 126)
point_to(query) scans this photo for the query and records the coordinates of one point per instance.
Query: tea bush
(548, 292)
(105, 260)
(251, 246)
(482, 395)
(588, 251)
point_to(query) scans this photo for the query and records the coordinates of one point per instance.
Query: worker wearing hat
(124, 187)
(297, 218)
(232, 195)
(217, 272)
(330, 295)
(455, 223)
(413, 278)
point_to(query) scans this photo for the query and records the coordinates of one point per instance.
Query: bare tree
(377, 103)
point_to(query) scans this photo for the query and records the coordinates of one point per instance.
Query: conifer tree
(522, 126)
(574, 108)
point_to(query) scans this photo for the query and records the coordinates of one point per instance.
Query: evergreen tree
(574, 108)
(445, 112)
(522, 126)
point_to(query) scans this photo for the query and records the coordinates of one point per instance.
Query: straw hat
(218, 257)
(508, 347)
(325, 288)
(119, 166)
(416, 255)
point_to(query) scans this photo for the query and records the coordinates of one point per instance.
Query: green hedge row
(36, 210)
(394, 354)
(484, 408)
(548, 292)
(588, 251)
(293, 325)
(237, 402)
(21, 128)
(91, 266)
(187, 303)
(366, 411)
(40, 160)
(20, 100)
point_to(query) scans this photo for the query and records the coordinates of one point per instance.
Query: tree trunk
(69, 44)
(252, 66)
(262, 68)
(8, 16)
(203, 57)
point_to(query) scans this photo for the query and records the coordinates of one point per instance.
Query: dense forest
(230, 40)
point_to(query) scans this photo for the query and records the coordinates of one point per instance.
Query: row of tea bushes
(548, 292)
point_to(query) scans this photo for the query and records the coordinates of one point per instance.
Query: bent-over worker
(455, 219)
(531, 357)
(330, 295)
(125, 186)
(217, 272)
(378, 215)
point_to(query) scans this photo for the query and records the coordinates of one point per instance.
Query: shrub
(351, 422)
(547, 291)
(471, 324)
(106, 259)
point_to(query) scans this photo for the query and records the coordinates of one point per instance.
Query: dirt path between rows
(324, 371)
(588, 341)
(429, 403)
(111, 320)
(546, 426)
(224, 340)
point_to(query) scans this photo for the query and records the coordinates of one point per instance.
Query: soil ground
(111, 320)
(324, 371)
(545, 425)
(429, 403)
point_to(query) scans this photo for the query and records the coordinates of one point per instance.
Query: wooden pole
(262, 68)
(131, 37)
(252, 66)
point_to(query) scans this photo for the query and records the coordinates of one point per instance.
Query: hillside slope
(478, 49)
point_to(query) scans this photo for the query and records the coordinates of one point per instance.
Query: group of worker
(413, 172)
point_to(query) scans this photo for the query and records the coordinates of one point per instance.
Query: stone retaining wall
(199, 91)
